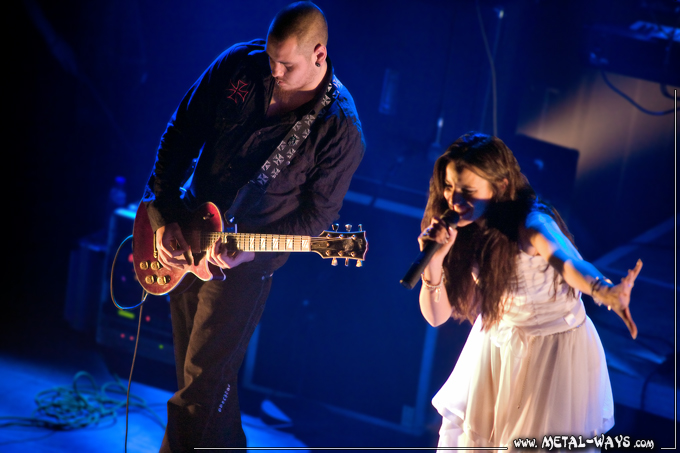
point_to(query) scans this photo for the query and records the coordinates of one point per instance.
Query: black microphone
(450, 218)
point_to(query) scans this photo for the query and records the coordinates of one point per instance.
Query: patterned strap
(249, 194)
(286, 150)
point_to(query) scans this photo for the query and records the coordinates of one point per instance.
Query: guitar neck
(253, 242)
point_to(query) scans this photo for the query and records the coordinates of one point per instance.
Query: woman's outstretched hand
(617, 297)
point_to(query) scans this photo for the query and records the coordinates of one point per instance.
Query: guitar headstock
(347, 245)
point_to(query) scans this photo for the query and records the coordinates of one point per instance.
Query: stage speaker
(83, 288)
(353, 338)
(550, 168)
(116, 327)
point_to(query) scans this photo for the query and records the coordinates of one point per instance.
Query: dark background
(92, 85)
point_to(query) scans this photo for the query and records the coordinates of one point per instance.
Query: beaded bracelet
(436, 288)
(595, 286)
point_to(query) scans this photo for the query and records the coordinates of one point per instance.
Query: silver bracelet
(595, 286)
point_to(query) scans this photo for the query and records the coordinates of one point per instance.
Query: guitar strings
(207, 239)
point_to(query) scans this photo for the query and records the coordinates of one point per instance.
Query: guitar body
(151, 274)
(204, 227)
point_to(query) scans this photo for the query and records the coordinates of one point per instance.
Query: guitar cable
(139, 327)
(113, 299)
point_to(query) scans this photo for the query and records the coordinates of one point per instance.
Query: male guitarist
(225, 130)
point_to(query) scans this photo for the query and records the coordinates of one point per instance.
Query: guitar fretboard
(248, 242)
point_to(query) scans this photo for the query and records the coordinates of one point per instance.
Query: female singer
(533, 364)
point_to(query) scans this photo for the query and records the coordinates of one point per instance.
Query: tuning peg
(348, 226)
(361, 227)
(334, 262)
(360, 263)
(335, 227)
(346, 262)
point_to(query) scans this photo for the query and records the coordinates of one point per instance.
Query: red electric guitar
(205, 227)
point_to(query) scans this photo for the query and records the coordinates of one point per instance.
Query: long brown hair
(492, 243)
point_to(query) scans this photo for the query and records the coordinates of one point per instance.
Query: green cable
(79, 406)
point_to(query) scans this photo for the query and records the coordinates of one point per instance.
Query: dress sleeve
(545, 224)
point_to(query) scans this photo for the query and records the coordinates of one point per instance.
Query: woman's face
(467, 193)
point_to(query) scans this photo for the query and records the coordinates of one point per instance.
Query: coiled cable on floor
(79, 406)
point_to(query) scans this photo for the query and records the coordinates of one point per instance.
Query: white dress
(540, 371)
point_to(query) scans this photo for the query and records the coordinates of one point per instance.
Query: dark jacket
(220, 132)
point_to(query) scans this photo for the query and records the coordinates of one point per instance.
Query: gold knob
(150, 279)
(144, 265)
(156, 265)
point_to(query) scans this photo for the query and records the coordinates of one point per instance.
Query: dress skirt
(508, 385)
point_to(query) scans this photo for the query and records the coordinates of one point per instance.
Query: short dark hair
(303, 20)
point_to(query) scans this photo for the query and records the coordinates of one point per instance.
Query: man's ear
(320, 53)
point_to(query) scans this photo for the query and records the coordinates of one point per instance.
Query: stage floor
(50, 360)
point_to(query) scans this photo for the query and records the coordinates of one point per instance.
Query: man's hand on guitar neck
(221, 257)
(173, 250)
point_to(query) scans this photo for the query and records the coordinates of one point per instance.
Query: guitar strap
(250, 194)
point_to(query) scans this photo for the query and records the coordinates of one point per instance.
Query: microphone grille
(450, 217)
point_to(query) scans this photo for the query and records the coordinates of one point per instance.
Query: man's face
(292, 70)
